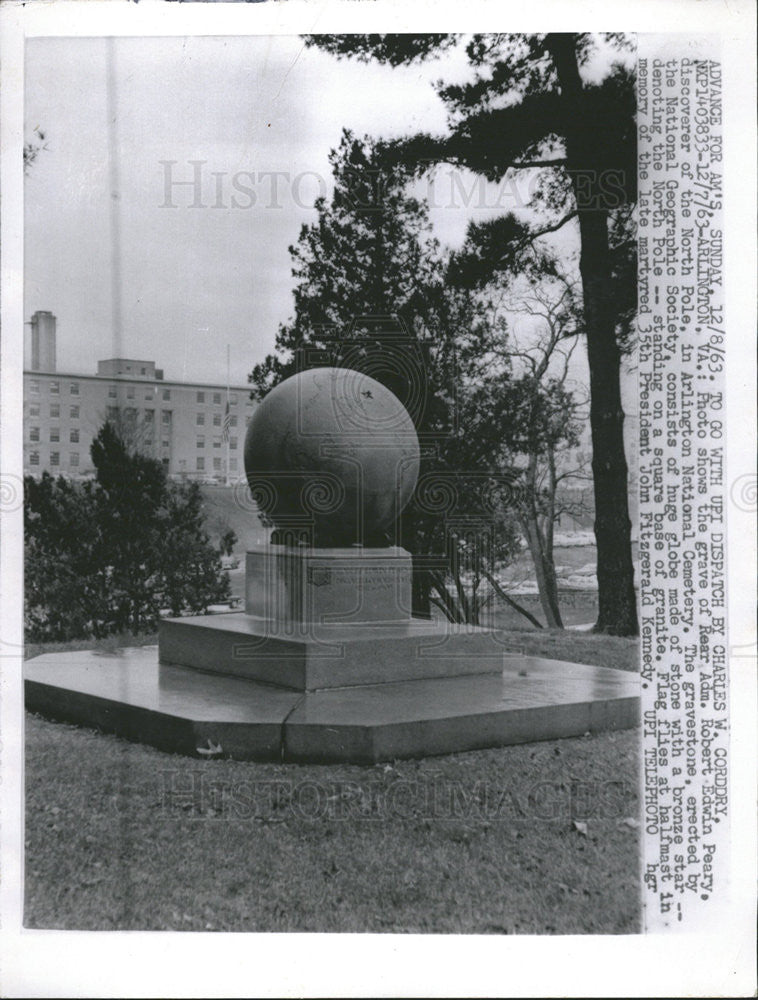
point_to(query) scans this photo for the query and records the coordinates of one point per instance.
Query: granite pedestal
(303, 586)
(327, 664)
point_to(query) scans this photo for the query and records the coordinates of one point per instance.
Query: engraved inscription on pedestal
(302, 586)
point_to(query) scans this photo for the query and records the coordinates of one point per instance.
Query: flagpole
(227, 420)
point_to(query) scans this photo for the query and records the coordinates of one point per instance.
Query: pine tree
(371, 294)
(529, 108)
(369, 284)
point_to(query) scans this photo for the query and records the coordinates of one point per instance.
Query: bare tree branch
(509, 600)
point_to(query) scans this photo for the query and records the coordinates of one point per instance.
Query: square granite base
(185, 710)
(309, 657)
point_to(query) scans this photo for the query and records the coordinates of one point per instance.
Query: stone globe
(331, 458)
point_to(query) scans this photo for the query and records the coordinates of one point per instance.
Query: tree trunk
(551, 587)
(546, 537)
(544, 573)
(544, 568)
(617, 613)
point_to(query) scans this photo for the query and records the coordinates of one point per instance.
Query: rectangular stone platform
(185, 710)
(171, 708)
(536, 700)
(307, 657)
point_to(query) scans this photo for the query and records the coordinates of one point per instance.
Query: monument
(327, 661)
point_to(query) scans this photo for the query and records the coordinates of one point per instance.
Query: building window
(55, 388)
(73, 459)
(233, 420)
(201, 397)
(149, 414)
(232, 464)
(217, 442)
(33, 458)
(112, 412)
(74, 436)
(165, 443)
(216, 464)
(143, 371)
(200, 420)
(233, 443)
(34, 385)
(216, 419)
(149, 393)
(55, 458)
(74, 388)
(34, 433)
(34, 409)
(217, 398)
(200, 441)
(55, 433)
(55, 410)
(167, 394)
(74, 412)
(200, 463)
(130, 392)
(111, 391)
(233, 397)
(166, 416)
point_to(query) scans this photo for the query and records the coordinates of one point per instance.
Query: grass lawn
(532, 839)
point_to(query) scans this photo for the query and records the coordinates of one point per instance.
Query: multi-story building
(180, 423)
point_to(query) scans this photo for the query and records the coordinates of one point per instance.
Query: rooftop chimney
(43, 341)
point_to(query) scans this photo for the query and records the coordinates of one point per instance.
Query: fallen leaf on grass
(629, 821)
(92, 880)
(580, 828)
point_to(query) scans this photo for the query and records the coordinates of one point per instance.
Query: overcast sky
(132, 276)
(193, 279)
